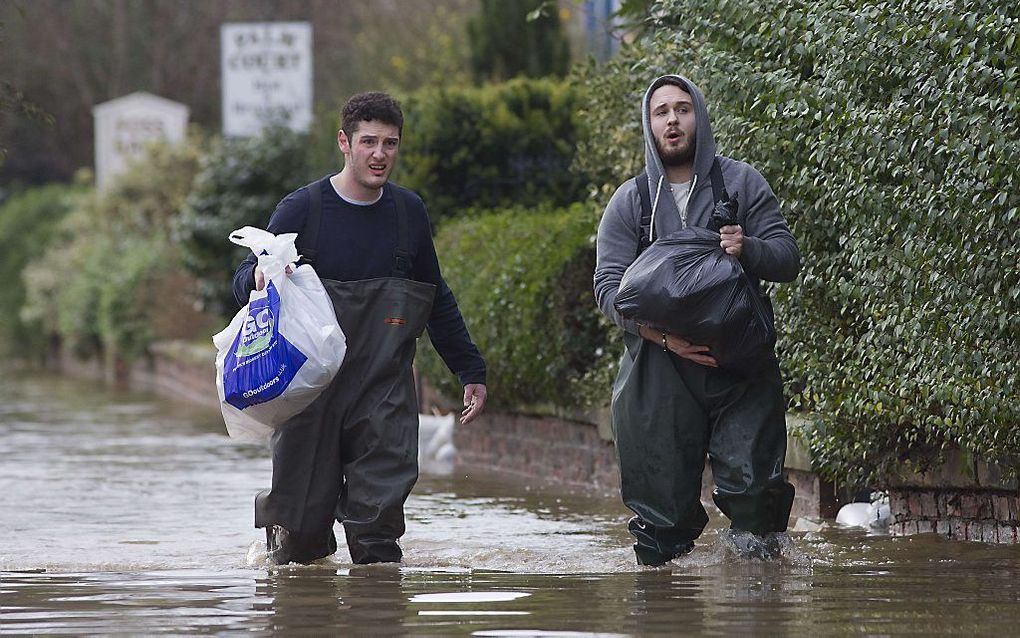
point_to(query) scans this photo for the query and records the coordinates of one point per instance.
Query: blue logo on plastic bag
(261, 363)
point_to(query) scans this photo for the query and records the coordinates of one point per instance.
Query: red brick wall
(174, 378)
(989, 516)
(541, 447)
(573, 454)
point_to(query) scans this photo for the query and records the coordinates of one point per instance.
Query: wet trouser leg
(747, 448)
(667, 414)
(660, 462)
(352, 455)
(307, 478)
(380, 457)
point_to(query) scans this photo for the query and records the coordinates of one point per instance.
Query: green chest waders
(352, 455)
(667, 414)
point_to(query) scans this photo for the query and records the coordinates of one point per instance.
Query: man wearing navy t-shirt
(351, 456)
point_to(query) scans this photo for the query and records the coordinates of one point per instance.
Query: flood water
(126, 514)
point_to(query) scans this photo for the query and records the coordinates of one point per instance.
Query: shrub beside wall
(500, 145)
(240, 183)
(100, 284)
(890, 132)
(522, 278)
(27, 224)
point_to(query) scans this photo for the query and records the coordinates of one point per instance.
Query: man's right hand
(680, 346)
(260, 277)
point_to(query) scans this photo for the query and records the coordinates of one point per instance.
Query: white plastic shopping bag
(283, 348)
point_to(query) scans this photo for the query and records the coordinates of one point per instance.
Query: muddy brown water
(124, 514)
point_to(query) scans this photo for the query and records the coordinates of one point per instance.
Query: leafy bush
(322, 154)
(890, 134)
(62, 283)
(491, 147)
(517, 38)
(523, 282)
(99, 285)
(240, 183)
(27, 224)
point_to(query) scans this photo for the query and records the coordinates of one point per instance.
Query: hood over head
(664, 209)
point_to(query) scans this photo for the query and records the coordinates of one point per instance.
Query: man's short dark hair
(365, 107)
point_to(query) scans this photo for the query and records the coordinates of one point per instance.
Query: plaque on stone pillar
(126, 125)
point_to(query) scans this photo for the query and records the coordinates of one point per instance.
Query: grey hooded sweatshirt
(769, 252)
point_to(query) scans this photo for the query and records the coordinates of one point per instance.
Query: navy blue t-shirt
(360, 242)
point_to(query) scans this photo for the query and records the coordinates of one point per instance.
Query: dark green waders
(669, 412)
(352, 455)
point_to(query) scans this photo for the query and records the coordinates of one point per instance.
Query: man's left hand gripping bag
(282, 349)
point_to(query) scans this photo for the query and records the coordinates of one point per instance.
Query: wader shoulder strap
(718, 185)
(646, 212)
(402, 265)
(718, 195)
(308, 238)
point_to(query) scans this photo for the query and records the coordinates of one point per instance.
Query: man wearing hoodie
(671, 403)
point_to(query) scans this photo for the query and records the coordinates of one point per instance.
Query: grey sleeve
(616, 247)
(770, 250)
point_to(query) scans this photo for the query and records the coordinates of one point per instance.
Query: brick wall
(175, 370)
(543, 447)
(573, 454)
(173, 377)
(989, 516)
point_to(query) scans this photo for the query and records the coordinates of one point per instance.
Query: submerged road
(123, 513)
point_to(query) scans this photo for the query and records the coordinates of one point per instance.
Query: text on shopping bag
(261, 363)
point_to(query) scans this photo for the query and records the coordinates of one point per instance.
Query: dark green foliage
(27, 225)
(322, 152)
(891, 134)
(499, 145)
(240, 184)
(522, 278)
(523, 37)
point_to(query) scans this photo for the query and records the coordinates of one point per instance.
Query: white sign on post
(266, 72)
(126, 125)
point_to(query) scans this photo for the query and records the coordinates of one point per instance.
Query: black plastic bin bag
(685, 284)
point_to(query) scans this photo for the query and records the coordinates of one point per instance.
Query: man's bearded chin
(680, 156)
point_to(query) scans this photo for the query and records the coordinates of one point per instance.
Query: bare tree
(68, 55)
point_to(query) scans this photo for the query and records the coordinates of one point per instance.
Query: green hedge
(27, 224)
(522, 278)
(507, 144)
(509, 39)
(891, 133)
